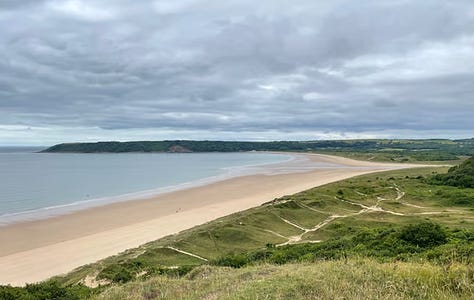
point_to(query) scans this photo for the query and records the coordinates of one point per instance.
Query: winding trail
(364, 209)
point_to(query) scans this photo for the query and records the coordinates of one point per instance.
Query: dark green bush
(117, 273)
(424, 235)
(45, 291)
(233, 260)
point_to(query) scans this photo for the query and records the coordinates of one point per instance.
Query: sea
(39, 185)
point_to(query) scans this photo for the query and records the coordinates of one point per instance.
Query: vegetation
(47, 290)
(460, 176)
(400, 155)
(334, 279)
(376, 149)
(395, 234)
(414, 242)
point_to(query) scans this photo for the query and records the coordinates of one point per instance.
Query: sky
(79, 71)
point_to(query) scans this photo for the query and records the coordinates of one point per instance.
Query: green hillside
(331, 279)
(386, 235)
(377, 149)
(460, 176)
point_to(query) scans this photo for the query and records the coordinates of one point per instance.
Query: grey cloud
(14, 4)
(237, 66)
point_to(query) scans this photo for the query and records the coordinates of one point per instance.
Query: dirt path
(364, 209)
(187, 253)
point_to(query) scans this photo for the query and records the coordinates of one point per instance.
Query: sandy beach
(36, 250)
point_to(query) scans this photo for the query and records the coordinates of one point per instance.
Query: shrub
(45, 291)
(234, 261)
(424, 235)
(116, 273)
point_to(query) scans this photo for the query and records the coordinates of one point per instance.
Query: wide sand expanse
(36, 250)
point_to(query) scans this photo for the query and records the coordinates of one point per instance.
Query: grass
(339, 279)
(441, 157)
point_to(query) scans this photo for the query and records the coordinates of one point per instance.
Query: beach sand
(36, 250)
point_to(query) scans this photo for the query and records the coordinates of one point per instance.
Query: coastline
(36, 250)
(77, 205)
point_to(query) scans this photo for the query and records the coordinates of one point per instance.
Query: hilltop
(376, 149)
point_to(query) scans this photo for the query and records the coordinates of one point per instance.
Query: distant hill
(460, 176)
(418, 150)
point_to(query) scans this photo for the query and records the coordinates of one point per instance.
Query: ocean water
(39, 185)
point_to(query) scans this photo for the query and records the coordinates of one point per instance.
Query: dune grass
(340, 279)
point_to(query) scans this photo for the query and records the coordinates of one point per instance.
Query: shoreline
(36, 250)
(44, 213)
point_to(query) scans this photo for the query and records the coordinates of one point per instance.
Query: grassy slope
(435, 157)
(460, 176)
(401, 192)
(352, 279)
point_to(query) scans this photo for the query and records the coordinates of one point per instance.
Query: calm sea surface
(36, 185)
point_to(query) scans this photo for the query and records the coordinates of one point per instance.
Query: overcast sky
(235, 70)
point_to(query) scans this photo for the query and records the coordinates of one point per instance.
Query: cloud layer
(257, 70)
